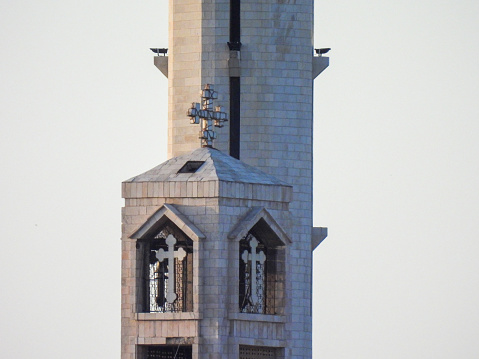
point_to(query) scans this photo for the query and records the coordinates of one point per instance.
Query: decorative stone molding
(168, 211)
(252, 218)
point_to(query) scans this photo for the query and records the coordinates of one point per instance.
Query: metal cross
(207, 115)
(171, 254)
(253, 257)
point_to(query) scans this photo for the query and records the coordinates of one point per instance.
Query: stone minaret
(217, 243)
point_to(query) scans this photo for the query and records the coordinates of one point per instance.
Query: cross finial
(207, 115)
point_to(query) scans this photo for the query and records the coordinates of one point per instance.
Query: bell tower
(217, 241)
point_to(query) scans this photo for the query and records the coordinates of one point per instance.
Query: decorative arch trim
(162, 215)
(261, 218)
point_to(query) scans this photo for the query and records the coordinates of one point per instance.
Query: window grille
(252, 352)
(256, 285)
(157, 275)
(165, 352)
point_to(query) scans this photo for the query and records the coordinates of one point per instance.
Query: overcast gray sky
(396, 173)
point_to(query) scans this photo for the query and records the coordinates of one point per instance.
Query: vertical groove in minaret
(235, 22)
(235, 117)
(235, 90)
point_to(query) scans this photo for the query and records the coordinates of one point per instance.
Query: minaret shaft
(274, 106)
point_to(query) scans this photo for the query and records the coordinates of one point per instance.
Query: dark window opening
(257, 276)
(254, 352)
(166, 287)
(164, 352)
(191, 167)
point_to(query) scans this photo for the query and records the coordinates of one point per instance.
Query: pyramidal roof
(207, 164)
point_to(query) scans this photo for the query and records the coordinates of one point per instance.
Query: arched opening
(165, 266)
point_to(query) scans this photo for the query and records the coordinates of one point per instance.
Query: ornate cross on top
(207, 115)
(170, 254)
(253, 257)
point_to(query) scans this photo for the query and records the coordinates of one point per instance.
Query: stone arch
(165, 262)
(162, 215)
(260, 221)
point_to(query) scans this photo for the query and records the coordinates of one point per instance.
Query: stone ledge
(319, 65)
(168, 316)
(161, 62)
(257, 317)
(208, 189)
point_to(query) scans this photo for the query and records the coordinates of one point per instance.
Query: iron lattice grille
(158, 275)
(264, 279)
(250, 352)
(169, 352)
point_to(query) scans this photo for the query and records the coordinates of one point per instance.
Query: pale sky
(396, 161)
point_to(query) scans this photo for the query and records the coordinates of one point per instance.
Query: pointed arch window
(166, 267)
(261, 275)
(166, 271)
(261, 272)
(261, 263)
(256, 276)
